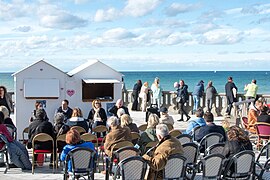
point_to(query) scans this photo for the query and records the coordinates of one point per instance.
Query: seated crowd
(120, 127)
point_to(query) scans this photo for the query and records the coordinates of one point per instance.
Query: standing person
(230, 94)
(143, 95)
(182, 93)
(197, 94)
(157, 92)
(251, 89)
(5, 99)
(210, 92)
(119, 104)
(65, 109)
(135, 94)
(97, 115)
(167, 146)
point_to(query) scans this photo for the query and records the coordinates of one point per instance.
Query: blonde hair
(153, 121)
(77, 112)
(5, 111)
(125, 120)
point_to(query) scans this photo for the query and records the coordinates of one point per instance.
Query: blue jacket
(69, 147)
(199, 121)
(198, 90)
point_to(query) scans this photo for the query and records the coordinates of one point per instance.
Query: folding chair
(175, 132)
(4, 150)
(241, 165)
(194, 132)
(175, 167)
(100, 129)
(184, 138)
(149, 146)
(80, 129)
(60, 142)
(263, 162)
(135, 137)
(42, 137)
(262, 131)
(82, 161)
(170, 126)
(87, 137)
(142, 127)
(133, 168)
(25, 134)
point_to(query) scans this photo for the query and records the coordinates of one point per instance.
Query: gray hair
(120, 112)
(113, 121)
(5, 111)
(162, 130)
(59, 118)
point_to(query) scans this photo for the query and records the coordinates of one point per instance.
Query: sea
(191, 78)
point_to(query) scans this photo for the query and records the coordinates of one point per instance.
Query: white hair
(113, 121)
(162, 130)
(120, 112)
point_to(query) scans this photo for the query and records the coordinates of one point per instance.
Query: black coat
(102, 115)
(40, 126)
(183, 93)
(264, 118)
(67, 114)
(114, 110)
(229, 93)
(210, 128)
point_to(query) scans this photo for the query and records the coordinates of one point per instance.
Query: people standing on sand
(251, 89)
(182, 93)
(5, 99)
(231, 91)
(157, 92)
(197, 94)
(210, 93)
(143, 95)
(135, 94)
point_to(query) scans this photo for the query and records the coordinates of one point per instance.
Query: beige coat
(116, 135)
(167, 146)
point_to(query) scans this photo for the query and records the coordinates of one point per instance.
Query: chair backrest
(80, 129)
(191, 152)
(243, 163)
(265, 152)
(87, 137)
(210, 139)
(126, 152)
(263, 130)
(100, 129)
(175, 167)
(42, 137)
(212, 166)
(184, 138)
(194, 132)
(170, 126)
(60, 138)
(121, 144)
(4, 151)
(150, 145)
(82, 160)
(12, 130)
(25, 135)
(142, 127)
(175, 132)
(133, 168)
(135, 137)
(215, 149)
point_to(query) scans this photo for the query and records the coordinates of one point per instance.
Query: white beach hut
(43, 82)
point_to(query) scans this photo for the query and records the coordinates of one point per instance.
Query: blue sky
(136, 34)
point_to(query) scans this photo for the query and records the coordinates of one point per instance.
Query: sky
(133, 35)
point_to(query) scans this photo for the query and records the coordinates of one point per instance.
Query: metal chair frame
(4, 150)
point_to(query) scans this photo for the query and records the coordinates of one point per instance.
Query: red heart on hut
(70, 92)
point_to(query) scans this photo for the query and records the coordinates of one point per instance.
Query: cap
(163, 109)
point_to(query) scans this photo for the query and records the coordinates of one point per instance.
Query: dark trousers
(182, 110)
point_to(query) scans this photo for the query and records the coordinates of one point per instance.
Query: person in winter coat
(210, 93)
(135, 94)
(182, 94)
(157, 92)
(230, 90)
(65, 109)
(253, 113)
(197, 94)
(77, 119)
(167, 146)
